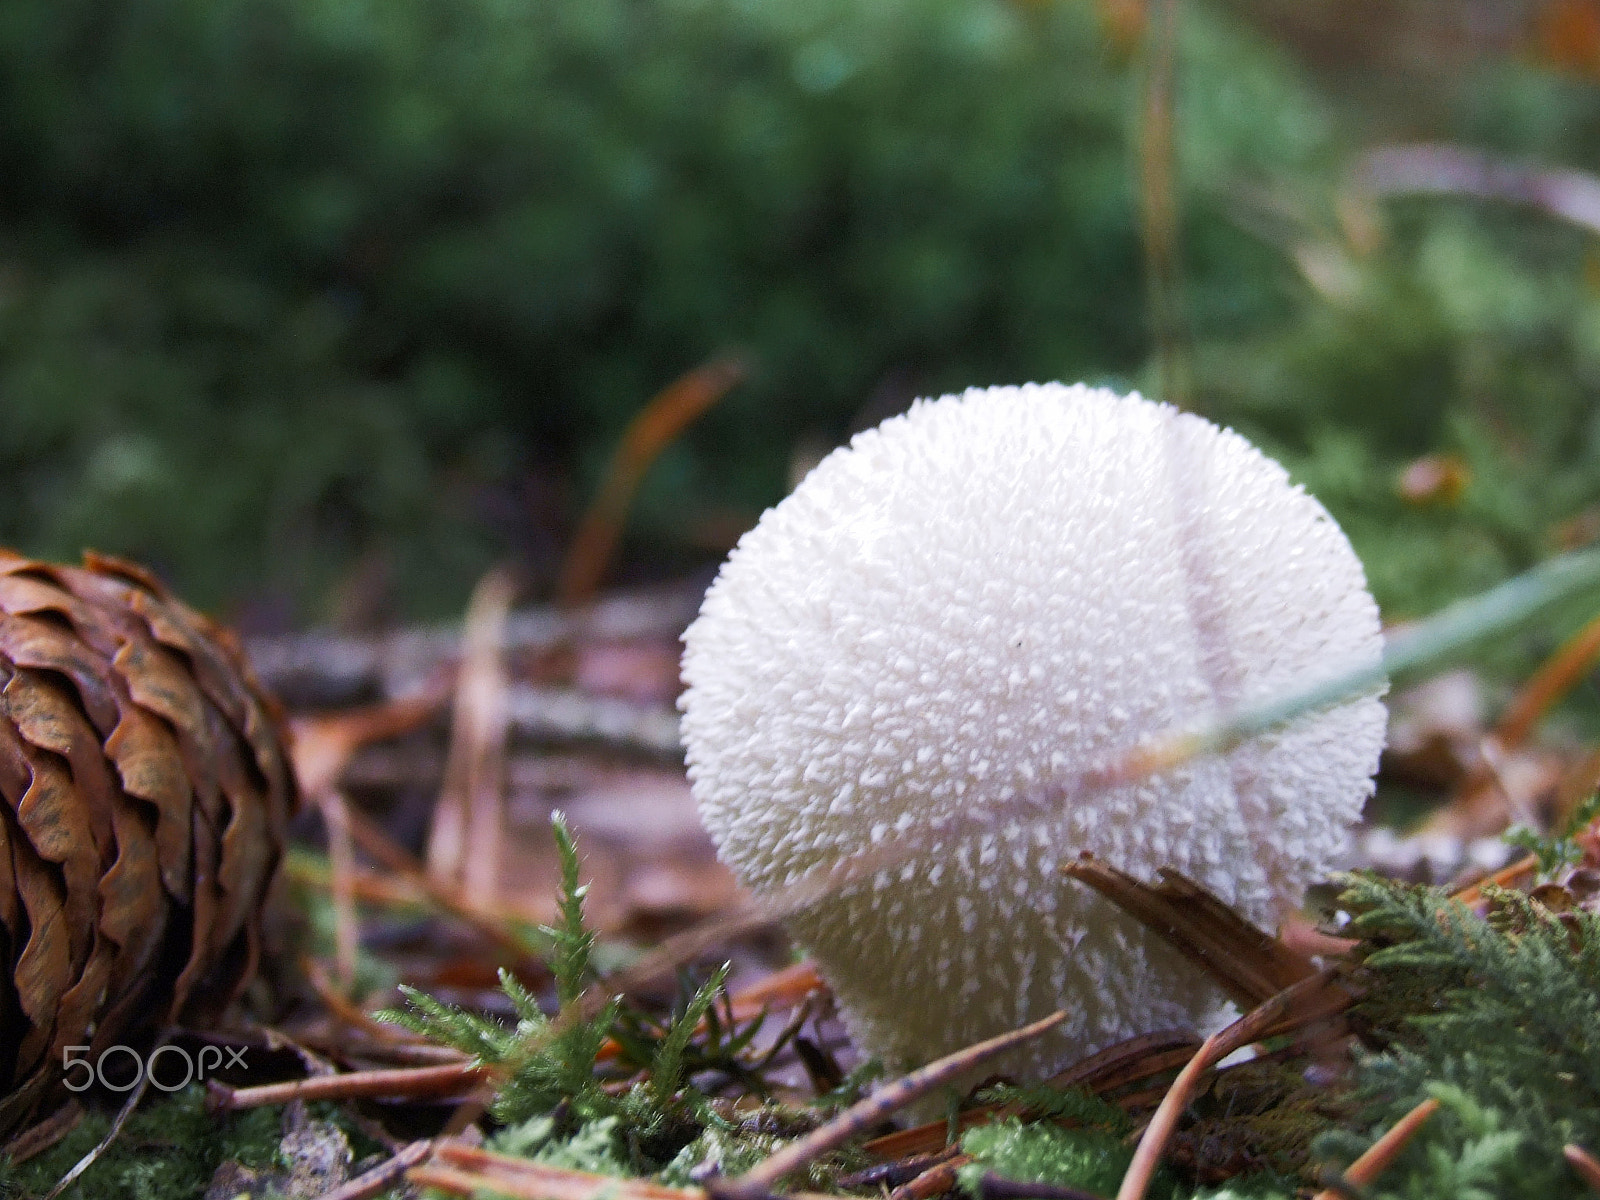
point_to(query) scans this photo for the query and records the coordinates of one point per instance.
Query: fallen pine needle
(1218, 1046)
(323, 745)
(36, 1139)
(1116, 1066)
(1554, 679)
(1506, 877)
(564, 1183)
(117, 1122)
(786, 989)
(655, 428)
(546, 1183)
(1584, 1163)
(893, 1174)
(343, 1009)
(402, 1081)
(469, 1171)
(465, 1183)
(1577, 783)
(758, 1182)
(370, 1183)
(926, 1139)
(1385, 1150)
(372, 838)
(935, 1181)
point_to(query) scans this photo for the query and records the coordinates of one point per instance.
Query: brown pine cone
(147, 788)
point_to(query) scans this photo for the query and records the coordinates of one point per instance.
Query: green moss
(167, 1151)
(1090, 1159)
(1498, 1018)
(733, 1148)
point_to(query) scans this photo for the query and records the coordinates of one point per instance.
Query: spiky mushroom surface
(962, 611)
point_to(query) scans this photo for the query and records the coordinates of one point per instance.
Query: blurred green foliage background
(296, 295)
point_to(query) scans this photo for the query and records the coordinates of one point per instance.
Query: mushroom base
(911, 994)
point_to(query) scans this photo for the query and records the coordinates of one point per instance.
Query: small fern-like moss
(1560, 849)
(1496, 1016)
(552, 1103)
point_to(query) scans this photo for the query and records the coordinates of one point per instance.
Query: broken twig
(757, 1183)
(370, 1183)
(446, 1080)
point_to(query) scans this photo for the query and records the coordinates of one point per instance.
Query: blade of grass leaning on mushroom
(988, 593)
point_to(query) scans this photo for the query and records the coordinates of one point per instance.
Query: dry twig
(1114, 1067)
(38, 1138)
(447, 1080)
(117, 1122)
(935, 1181)
(370, 1183)
(757, 1183)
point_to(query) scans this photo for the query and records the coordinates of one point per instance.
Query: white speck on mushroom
(1156, 570)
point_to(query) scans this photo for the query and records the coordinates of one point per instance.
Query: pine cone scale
(242, 871)
(156, 681)
(57, 830)
(133, 909)
(76, 1010)
(147, 760)
(203, 906)
(44, 968)
(47, 719)
(43, 645)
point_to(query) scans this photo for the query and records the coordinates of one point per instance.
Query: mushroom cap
(954, 617)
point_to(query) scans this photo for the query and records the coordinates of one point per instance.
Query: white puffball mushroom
(981, 598)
